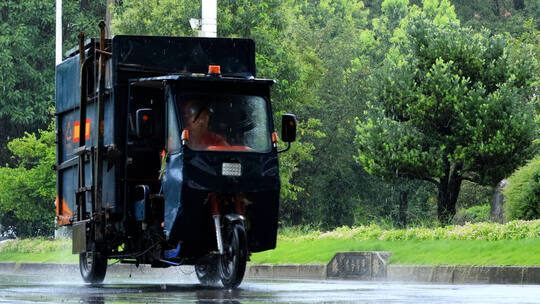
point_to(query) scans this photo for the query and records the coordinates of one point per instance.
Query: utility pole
(58, 31)
(209, 18)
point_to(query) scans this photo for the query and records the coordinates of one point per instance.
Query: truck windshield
(225, 122)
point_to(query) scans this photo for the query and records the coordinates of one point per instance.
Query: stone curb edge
(399, 273)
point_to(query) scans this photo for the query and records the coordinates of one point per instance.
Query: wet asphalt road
(51, 288)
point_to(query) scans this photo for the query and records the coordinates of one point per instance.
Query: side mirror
(145, 122)
(288, 128)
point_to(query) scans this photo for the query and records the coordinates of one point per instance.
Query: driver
(200, 137)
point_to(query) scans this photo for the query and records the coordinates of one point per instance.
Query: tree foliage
(522, 195)
(28, 188)
(26, 85)
(499, 16)
(449, 105)
(323, 52)
(27, 30)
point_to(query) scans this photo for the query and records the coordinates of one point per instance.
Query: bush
(472, 194)
(522, 195)
(474, 214)
(28, 187)
(479, 231)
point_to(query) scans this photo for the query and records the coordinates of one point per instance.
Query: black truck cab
(208, 133)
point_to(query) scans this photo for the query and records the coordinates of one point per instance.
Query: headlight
(231, 169)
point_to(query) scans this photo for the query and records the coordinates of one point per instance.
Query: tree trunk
(497, 9)
(449, 187)
(108, 18)
(403, 207)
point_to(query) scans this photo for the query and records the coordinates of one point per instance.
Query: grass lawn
(37, 250)
(525, 252)
(61, 256)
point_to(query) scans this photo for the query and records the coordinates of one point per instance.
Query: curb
(287, 271)
(117, 270)
(263, 271)
(465, 274)
(395, 273)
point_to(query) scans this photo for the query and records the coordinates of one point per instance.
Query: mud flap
(79, 237)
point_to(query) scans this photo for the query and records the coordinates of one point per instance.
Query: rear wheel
(208, 273)
(93, 265)
(232, 264)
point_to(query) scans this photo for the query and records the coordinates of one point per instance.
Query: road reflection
(55, 288)
(163, 293)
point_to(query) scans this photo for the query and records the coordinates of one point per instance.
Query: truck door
(173, 176)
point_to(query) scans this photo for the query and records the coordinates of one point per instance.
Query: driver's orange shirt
(207, 138)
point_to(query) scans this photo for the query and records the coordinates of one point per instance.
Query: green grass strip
(515, 243)
(522, 252)
(61, 256)
(39, 250)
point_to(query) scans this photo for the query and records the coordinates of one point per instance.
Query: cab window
(225, 122)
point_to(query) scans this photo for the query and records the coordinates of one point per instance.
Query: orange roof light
(214, 69)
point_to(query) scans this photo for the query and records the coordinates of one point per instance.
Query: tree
(27, 60)
(498, 16)
(28, 188)
(26, 98)
(26, 84)
(449, 105)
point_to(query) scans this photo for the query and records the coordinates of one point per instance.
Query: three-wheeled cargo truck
(167, 155)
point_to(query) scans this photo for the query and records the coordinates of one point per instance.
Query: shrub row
(479, 231)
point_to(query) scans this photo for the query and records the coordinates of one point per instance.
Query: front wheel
(93, 266)
(232, 264)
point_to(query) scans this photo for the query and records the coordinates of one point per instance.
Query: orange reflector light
(274, 137)
(145, 117)
(185, 134)
(214, 69)
(76, 131)
(87, 129)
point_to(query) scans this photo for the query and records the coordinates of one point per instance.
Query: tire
(208, 274)
(232, 264)
(93, 266)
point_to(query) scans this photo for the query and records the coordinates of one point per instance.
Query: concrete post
(359, 265)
